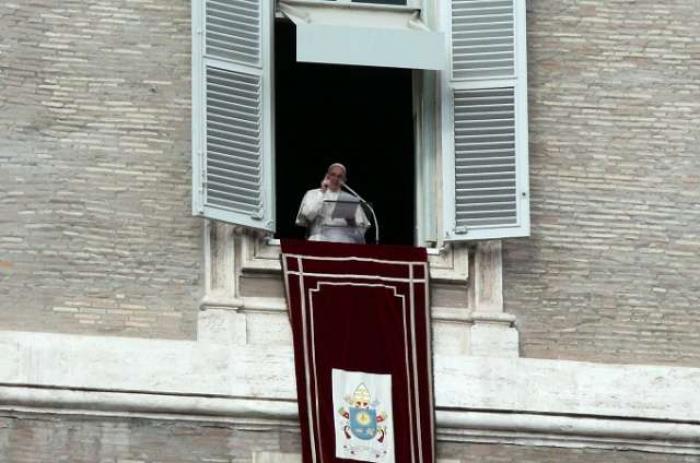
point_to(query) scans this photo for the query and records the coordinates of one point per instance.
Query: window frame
(427, 152)
(433, 127)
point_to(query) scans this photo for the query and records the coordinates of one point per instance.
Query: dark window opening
(359, 116)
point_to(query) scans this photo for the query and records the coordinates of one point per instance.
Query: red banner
(360, 321)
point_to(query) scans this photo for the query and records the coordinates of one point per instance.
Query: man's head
(336, 176)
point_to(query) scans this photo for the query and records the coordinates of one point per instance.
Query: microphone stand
(374, 216)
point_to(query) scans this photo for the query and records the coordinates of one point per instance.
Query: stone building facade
(134, 332)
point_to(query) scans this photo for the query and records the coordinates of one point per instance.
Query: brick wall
(50, 439)
(612, 270)
(30, 438)
(95, 232)
(495, 453)
(95, 227)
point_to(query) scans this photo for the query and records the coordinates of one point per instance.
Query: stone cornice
(453, 425)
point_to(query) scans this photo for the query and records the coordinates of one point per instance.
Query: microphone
(369, 206)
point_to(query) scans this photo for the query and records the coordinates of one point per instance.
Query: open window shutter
(231, 111)
(485, 121)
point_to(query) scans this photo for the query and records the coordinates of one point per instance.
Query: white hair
(337, 164)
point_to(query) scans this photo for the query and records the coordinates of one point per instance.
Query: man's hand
(324, 184)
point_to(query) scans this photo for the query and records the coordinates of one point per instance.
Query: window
(358, 115)
(470, 117)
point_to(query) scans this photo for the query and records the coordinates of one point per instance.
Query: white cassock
(321, 213)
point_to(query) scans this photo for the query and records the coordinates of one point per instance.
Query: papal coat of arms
(363, 420)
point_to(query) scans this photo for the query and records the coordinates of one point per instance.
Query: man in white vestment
(331, 214)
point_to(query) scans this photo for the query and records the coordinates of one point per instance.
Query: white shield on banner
(363, 417)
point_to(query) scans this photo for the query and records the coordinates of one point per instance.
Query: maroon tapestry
(360, 321)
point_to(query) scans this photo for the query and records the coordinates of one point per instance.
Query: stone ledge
(278, 457)
(462, 382)
(449, 264)
(453, 425)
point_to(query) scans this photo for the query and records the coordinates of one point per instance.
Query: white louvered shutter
(485, 116)
(231, 111)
